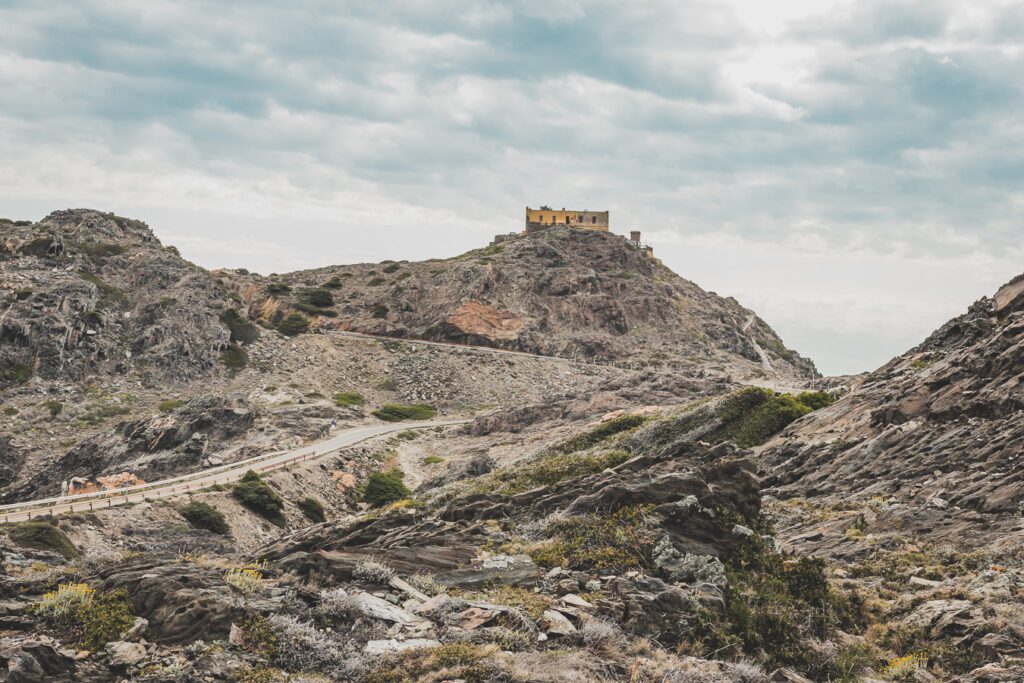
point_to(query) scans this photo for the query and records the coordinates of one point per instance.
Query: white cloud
(846, 167)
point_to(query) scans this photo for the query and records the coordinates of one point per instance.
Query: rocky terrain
(632, 499)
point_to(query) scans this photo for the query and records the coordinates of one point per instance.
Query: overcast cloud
(850, 170)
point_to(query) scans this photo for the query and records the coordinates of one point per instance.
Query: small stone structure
(545, 218)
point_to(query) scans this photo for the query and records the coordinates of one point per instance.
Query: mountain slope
(942, 424)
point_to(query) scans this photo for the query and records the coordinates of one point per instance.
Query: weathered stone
(380, 647)
(124, 654)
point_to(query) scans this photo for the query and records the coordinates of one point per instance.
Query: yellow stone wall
(590, 220)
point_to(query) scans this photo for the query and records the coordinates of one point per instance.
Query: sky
(849, 170)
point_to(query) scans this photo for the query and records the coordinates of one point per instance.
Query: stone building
(545, 217)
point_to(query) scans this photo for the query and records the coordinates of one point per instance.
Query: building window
(593, 219)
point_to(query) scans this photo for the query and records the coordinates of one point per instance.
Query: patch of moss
(254, 493)
(40, 535)
(395, 412)
(432, 460)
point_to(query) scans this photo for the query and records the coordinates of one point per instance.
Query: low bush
(603, 431)
(254, 493)
(315, 310)
(54, 407)
(385, 487)
(616, 542)
(40, 535)
(373, 571)
(317, 296)
(348, 398)
(12, 372)
(293, 324)
(432, 460)
(776, 607)
(334, 283)
(751, 416)
(550, 469)
(244, 580)
(394, 412)
(234, 357)
(242, 331)
(86, 617)
(200, 515)
(452, 661)
(170, 405)
(278, 288)
(312, 508)
(303, 647)
(816, 400)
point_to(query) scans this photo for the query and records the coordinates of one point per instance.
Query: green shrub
(615, 542)
(40, 535)
(54, 406)
(334, 283)
(603, 431)
(242, 330)
(394, 412)
(550, 469)
(313, 310)
(316, 296)
(293, 324)
(10, 411)
(312, 508)
(234, 357)
(84, 616)
(170, 405)
(203, 516)
(391, 268)
(816, 400)
(751, 416)
(278, 288)
(12, 372)
(385, 487)
(348, 398)
(432, 460)
(775, 607)
(254, 493)
(40, 246)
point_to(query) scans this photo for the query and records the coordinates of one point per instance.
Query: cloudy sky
(850, 170)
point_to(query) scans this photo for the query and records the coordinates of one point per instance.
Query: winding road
(196, 481)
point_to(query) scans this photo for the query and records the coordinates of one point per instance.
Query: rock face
(559, 292)
(940, 426)
(89, 293)
(149, 448)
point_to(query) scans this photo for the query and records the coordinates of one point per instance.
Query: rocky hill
(561, 292)
(87, 293)
(941, 426)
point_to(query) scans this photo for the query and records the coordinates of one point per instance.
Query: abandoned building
(545, 217)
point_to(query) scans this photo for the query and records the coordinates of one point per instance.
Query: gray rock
(381, 647)
(124, 654)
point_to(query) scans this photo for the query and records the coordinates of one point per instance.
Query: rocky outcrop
(181, 602)
(941, 426)
(151, 448)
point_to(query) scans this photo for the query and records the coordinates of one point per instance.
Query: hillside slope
(561, 292)
(940, 424)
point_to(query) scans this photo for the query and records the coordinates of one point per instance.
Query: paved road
(412, 341)
(166, 488)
